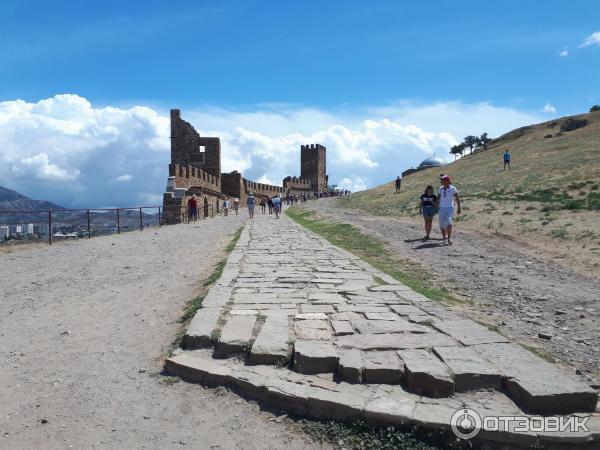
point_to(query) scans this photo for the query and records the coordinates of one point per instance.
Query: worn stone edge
(297, 399)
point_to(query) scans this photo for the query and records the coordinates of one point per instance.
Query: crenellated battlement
(313, 147)
(260, 188)
(190, 176)
(296, 184)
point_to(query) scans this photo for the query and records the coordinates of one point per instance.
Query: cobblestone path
(306, 326)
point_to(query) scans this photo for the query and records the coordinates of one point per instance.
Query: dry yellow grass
(550, 200)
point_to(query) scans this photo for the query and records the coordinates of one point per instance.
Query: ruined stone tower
(189, 148)
(313, 166)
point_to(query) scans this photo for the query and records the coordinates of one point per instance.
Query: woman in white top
(447, 195)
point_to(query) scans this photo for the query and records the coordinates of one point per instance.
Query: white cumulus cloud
(353, 184)
(592, 40)
(66, 150)
(564, 53)
(548, 108)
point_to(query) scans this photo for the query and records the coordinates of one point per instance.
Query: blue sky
(279, 68)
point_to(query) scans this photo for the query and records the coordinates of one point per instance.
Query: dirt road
(83, 330)
(518, 289)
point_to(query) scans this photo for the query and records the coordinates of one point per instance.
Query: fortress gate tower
(313, 166)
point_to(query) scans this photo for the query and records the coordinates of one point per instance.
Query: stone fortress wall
(296, 185)
(195, 169)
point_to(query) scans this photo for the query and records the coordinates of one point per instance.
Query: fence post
(159, 221)
(141, 222)
(118, 222)
(49, 227)
(88, 221)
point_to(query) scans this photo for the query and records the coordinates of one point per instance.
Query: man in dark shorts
(192, 204)
(506, 159)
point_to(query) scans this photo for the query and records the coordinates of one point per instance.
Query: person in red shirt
(192, 208)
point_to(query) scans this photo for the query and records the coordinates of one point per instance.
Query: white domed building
(427, 163)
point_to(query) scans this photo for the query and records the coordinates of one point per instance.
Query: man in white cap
(251, 202)
(447, 195)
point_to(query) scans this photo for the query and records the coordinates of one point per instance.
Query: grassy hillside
(552, 191)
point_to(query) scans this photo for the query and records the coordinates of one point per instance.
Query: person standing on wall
(506, 159)
(192, 204)
(251, 202)
(447, 195)
(398, 184)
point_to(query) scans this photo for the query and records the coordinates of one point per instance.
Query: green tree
(595, 108)
(471, 142)
(457, 150)
(484, 140)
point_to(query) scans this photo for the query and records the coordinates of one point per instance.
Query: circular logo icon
(465, 423)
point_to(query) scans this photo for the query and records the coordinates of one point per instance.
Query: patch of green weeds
(544, 354)
(559, 233)
(373, 251)
(361, 436)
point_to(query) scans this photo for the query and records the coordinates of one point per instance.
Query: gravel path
(522, 291)
(84, 327)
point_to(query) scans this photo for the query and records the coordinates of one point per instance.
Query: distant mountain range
(13, 201)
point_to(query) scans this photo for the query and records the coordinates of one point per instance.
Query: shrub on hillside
(595, 108)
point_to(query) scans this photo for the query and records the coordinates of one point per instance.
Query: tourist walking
(226, 206)
(263, 205)
(192, 204)
(277, 205)
(250, 203)
(398, 184)
(270, 204)
(447, 195)
(427, 208)
(236, 205)
(506, 159)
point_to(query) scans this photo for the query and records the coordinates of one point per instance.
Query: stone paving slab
(425, 374)
(470, 371)
(382, 367)
(351, 366)
(388, 326)
(315, 357)
(535, 384)
(236, 335)
(272, 343)
(297, 300)
(468, 332)
(201, 328)
(342, 327)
